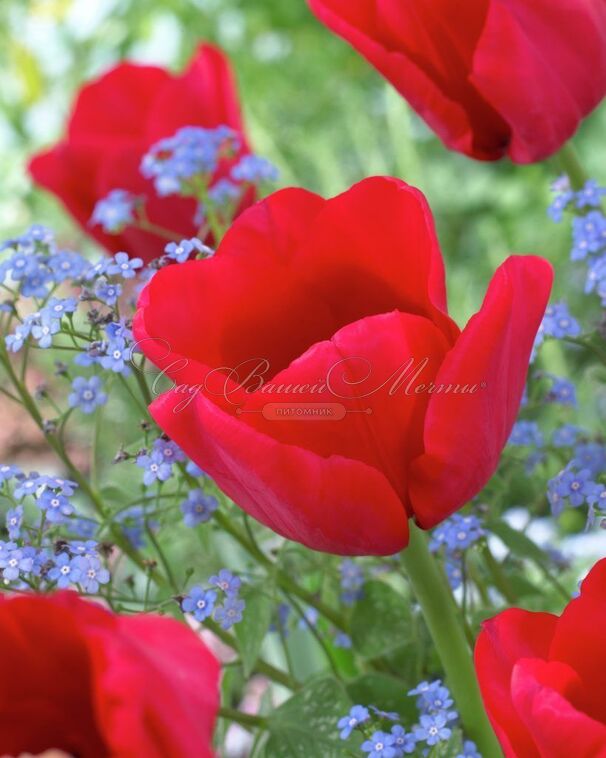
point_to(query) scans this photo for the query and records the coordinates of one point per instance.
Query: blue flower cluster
(157, 463)
(34, 264)
(588, 231)
(352, 581)
(201, 602)
(434, 704)
(557, 323)
(115, 212)
(31, 558)
(578, 483)
(454, 536)
(187, 249)
(174, 163)
(198, 507)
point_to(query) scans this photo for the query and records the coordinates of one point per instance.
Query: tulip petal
(116, 106)
(205, 94)
(579, 640)
(537, 46)
(148, 655)
(540, 694)
(466, 432)
(504, 639)
(373, 374)
(41, 706)
(393, 37)
(70, 171)
(332, 504)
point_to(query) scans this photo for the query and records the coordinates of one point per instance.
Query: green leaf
(306, 725)
(518, 542)
(381, 620)
(251, 631)
(385, 692)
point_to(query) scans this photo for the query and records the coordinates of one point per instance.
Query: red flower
(80, 679)
(340, 297)
(114, 121)
(542, 676)
(490, 77)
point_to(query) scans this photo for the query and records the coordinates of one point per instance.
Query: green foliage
(305, 725)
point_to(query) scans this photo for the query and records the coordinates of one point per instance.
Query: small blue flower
(432, 729)
(352, 581)
(56, 308)
(106, 292)
(15, 561)
(590, 196)
(457, 533)
(198, 508)
(226, 582)
(559, 205)
(187, 249)
(92, 572)
(454, 571)
(43, 333)
(83, 547)
(389, 715)
(590, 456)
(356, 716)
(526, 433)
(569, 485)
(117, 357)
(67, 265)
(57, 507)
(230, 612)
(254, 170)
(469, 750)
(87, 394)
(436, 700)
(122, 265)
(380, 745)
(29, 485)
(194, 470)
(343, 640)
(156, 468)
(14, 521)
(562, 392)
(66, 571)
(115, 211)
(404, 742)
(565, 435)
(310, 618)
(169, 450)
(223, 192)
(199, 602)
(8, 472)
(66, 486)
(558, 322)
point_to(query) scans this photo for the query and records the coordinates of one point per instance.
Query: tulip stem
(441, 615)
(569, 161)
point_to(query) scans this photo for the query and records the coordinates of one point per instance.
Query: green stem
(442, 618)
(247, 720)
(569, 161)
(284, 581)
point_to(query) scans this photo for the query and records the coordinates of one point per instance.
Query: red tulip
(490, 77)
(80, 679)
(114, 121)
(350, 293)
(542, 676)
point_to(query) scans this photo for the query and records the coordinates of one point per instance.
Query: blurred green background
(312, 105)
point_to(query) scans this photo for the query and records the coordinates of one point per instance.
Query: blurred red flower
(114, 120)
(78, 678)
(490, 77)
(350, 289)
(542, 676)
